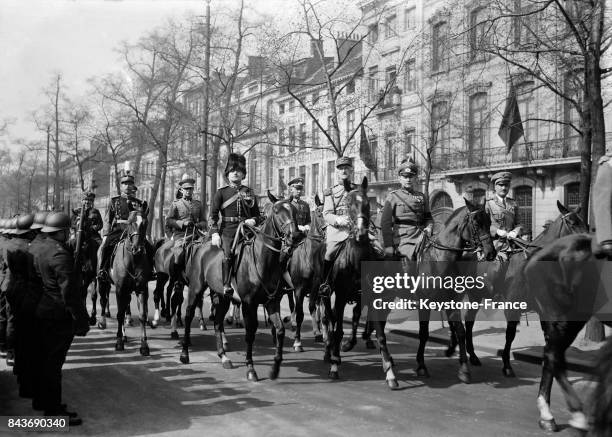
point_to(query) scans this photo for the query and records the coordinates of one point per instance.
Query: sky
(77, 38)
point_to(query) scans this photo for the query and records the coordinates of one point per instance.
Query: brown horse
(130, 272)
(260, 255)
(566, 285)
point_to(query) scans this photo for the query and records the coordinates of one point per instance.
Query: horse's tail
(602, 397)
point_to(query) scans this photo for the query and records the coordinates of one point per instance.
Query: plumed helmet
(235, 162)
(56, 221)
(187, 181)
(23, 223)
(39, 219)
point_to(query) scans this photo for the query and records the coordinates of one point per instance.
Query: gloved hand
(502, 233)
(250, 222)
(216, 240)
(389, 251)
(512, 234)
(304, 228)
(342, 221)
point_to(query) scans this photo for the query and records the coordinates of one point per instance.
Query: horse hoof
(548, 425)
(174, 335)
(227, 365)
(392, 384)
(475, 361)
(144, 351)
(108, 314)
(449, 352)
(287, 319)
(252, 376)
(298, 348)
(348, 345)
(422, 372)
(465, 376)
(229, 320)
(508, 372)
(318, 338)
(202, 325)
(153, 324)
(333, 374)
(274, 373)
(370, 344)
(102, 325)
(92, 320)
(184, 358)
(119, 346)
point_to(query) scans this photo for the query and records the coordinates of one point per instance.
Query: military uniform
(334, 207)
(6, 318)
(92, 223)
(602, 205)
(504, 217)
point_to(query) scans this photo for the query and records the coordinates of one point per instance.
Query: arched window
(441, 200)
(524, 199)
(572, 195)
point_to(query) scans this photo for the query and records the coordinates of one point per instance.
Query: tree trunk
(162, 201)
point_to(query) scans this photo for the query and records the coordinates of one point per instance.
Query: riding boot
(103, 262)
(226, 270)
(325, 289)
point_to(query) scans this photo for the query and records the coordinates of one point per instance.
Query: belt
(121, 221)
(406, 222)
(233, 219)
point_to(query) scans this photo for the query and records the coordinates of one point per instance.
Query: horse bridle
(280, 234)
(130, 236)
(476, 237)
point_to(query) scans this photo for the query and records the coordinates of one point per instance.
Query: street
(123, 394)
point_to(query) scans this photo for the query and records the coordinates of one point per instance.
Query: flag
(511, 128)
(365, 153)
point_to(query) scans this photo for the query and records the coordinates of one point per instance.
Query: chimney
(348, 43)
(313, 47)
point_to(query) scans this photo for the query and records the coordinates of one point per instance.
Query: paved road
(121, 394)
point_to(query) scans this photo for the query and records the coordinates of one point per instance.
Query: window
(291, 173)
(269, 168)
(439, 59)
(572, 195)
(409, 135)
(572, 87)
(441, 200)
(253, 87)
(281, 108)
(478, 132)
(269, 114)
(391, 26)
(392, 153)
(390, 75)
(291, 106)
(350, 87)
(256, 164)
(409, 75)
(525, 23)
(478, 32)
(315, 97)
(331, 168)
(314, 133)
(441, 131)
(410, 18)
(523, 196)
(350, 122)
(281, 182)
(302, 173)
(314, 188)
(373, 33)
(373, 83)
(281, 139)
(330, 128)
(291, 139)
(373, 140)
(302, 132)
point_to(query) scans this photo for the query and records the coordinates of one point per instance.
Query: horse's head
(569, 222)
(359, 209)
(282, 216)
(137, 229)
(476, 228)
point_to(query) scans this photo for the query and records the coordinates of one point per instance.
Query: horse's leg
(367, 334)
(275, 317)
(510, 335)
(315, 317)
(338, 333)
(143, 300)
(249, 313)
(158, 296)
(189, 313)
(199, 304)
(169, 289)
(175, 300)
(327, 322)
(219, 307)
(452, 342)
(349, 343)
(424, 315)
(387, 359)
(299, 318)
(122, 303)
(104, 289)
(454, 318)
(128, 311)
(94, 300)
(470, 318)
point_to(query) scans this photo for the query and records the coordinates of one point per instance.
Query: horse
(602, 396)
(130, 271)
(261, 253)
(301, 270)
(564, 283)
(88, 263)
(467, 225)
(501, 281)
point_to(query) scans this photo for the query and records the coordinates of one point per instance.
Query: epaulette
(604, 158)
(327, 192)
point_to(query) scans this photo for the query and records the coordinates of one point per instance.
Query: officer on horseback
(406, 217)
(296, 187)
(232, 204)
(335, 213)
(92, 224)
(503, 212)
(185, 215)
(602, 205)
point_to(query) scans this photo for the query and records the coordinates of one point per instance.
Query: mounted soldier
(602, 206)
(503, 210)
(296, 189)
(92, 223)
(335, 214)
(231, 205)
(406, 217)
(185, 216)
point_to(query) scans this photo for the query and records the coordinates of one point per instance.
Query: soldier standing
(7, 316)
(602, 205)
(61, 313)
(232, 204)
(4, 239)
(503, 211)
(185, 213)
(406, 216)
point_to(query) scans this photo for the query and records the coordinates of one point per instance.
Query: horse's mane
(454, 215)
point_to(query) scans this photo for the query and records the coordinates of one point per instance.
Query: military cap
(502, 176)
(56, 221)
(24, 222)
(344, 160)
(408, 166)
(89, 195)
(187, 181)
(235, 162)
(39, 219)
(298, 182)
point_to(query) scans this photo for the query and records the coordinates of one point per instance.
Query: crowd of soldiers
(41, 306)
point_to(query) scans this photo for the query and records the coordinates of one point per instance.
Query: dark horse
(130, 271)
(509, 282)
(260, 254)
(345, 275)
(89, 262)
(467, 229)
(602, 397)
(567, 286)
